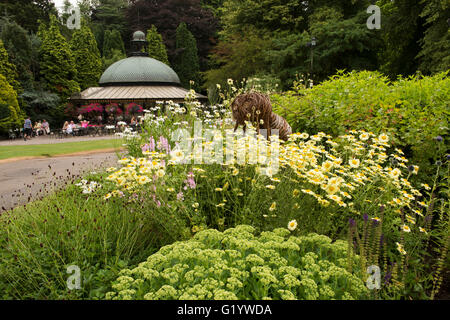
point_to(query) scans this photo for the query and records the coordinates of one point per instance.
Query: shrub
(236, 264)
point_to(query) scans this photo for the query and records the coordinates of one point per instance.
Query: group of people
(39, 128)
(43, 128)
(71, 127)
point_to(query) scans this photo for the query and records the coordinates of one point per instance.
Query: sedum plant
(237, 264)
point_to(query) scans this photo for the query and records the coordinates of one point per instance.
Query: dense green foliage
(434, 55)
(413, 36)
(57, 63)
(412, 110)
(11, 116)
(87, 57)
(110, 13)
(237, 265)
(186, 63)
(166, 15)
(18, 44)
(27, 12)
(156, 47)
(7, 69)
(113, 47)
(343, 39)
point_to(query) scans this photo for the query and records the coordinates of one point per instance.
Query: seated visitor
(38, 128)
(70, 128)
(65, 126)
(45, 127)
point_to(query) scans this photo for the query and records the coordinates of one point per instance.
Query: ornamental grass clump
(237, 264)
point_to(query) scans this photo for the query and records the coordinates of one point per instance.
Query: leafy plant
(236, 264)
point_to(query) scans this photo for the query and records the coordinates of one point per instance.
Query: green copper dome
(139, 70)
(139, 36)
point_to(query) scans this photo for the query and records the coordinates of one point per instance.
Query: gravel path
(21, 181)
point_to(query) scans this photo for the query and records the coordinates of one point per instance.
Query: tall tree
(186, 62)
(113, 48)
(87, 57)
(402, 29)
(110, 14)
(213, 5)
(271, 37)
(57, 63)
(435, 46)
(17, 43)
(8, 69)
(27, 12)
(240, 56)
(156, 47)
(166, 15)
(11, 117)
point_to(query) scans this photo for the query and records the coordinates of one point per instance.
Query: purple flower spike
(351, 222)
(387, 277)
(438, 138)
(365, 217)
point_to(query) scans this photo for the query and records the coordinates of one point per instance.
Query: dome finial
(139, 44)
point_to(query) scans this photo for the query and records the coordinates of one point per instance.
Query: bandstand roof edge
(132, 94)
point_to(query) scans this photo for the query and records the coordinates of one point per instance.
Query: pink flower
(190, 180)
(164, 144)
(152, 144)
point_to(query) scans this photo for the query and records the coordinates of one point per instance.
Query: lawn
(49, 150)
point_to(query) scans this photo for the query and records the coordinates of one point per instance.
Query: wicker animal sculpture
(254, 107)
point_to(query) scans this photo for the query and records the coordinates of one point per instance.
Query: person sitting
(65, 126)
(133, 123)
(69, 129)
(38, 128)
(84, 127)
(45, 127)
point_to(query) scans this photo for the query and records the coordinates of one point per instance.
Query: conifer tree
(113, 48)
(57, 63)
(186, 61)
(87, 57)
(8, 69)
(11, 117)
(434, 54)
(18, 45)
(112, 41)
(156, 46)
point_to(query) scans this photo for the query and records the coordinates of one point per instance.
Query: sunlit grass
(49, 150)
